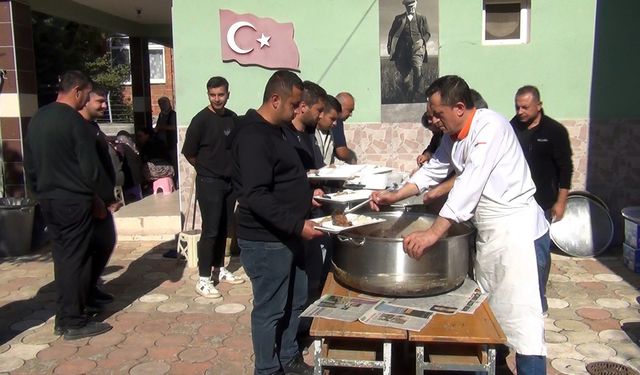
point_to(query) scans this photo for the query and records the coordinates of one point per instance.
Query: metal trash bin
(16, 226)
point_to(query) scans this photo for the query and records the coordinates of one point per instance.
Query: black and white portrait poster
(408, 56)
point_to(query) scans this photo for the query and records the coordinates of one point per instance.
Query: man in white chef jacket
(493, 189)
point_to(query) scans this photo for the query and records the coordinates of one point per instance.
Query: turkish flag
(252, 40)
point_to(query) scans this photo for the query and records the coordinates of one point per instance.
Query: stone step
(154, 218)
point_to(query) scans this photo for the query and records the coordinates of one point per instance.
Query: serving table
(459, 342)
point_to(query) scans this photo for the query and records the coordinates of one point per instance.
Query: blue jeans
(531, 364)
(279, 284)
(543, 259)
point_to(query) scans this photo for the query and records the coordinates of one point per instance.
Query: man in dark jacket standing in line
(407, 46)
(274, 202)
(64, 171)
(546, 146)
(104, 236)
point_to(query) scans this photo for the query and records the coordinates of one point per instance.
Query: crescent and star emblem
(231, 37)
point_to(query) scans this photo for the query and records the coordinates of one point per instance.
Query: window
(120, 54)
(505, 22)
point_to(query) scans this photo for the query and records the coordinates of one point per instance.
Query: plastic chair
(164, 184)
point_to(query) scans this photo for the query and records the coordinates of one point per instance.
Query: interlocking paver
(569, 366)
(571, 325)
(128, 353)
(590, 299)
(75, 366)
(215, 329)
(594, 314)
(596, 351)
(229, 308)
(555, 337)
(57, 352)
(612, 303)
(150, 368)
(22, 351)
(615, 335)
(41, 336)
(10, 364)
(175, 340)
(581, 337)
(172, 307)
(154, 297)
(179, 368)
(111, 338)
(167, 353)
(195, 355)
(94, 353)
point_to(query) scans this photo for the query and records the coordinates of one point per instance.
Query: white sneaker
(227, 277)
(206, 289)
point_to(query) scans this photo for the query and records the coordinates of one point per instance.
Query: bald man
(340, 149)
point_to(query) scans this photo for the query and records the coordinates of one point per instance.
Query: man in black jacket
(274, 202)
(103, 240)
(64, 171)
(407, 47)
(546, 146)
(205, 148)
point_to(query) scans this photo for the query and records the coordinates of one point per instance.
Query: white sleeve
(437, 169)
(481, 159)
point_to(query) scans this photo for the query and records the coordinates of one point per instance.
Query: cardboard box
(632, 233)
(631, 258)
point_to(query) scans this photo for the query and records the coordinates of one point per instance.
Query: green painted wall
(337, 41)
(558, 59)
(616, 61)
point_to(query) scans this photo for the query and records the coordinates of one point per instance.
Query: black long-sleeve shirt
(548, 152)
(60, 156)
(274, 194)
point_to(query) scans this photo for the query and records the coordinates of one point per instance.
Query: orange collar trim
(462, 134)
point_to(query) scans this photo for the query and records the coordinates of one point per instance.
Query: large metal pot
(372, 259)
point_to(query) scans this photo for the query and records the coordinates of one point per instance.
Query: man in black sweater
(64, 171)
(274, 202)
(205, 149)
(546, 146)
(103, 240)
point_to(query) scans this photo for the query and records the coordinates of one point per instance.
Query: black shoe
(93, 310)
(101, 297)
(89, 330)
(297, 366)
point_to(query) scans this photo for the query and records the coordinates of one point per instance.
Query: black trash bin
(16, 226)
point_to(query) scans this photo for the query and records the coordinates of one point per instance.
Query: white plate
(345, 196)
(338, 172)
(326, 224)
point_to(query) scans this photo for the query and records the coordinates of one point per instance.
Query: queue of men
(501, 180)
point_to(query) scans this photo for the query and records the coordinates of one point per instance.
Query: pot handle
(355, 242)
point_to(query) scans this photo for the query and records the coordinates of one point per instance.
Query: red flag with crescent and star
(252, 40)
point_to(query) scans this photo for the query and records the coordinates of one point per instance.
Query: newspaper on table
(465, 299)
(386, 315)
(404, 313)
(346, 309)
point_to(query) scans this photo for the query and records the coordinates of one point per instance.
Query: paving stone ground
(162, 326)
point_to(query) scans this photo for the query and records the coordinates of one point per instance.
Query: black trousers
(213, 198)
(103, 241)
(70, 224)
